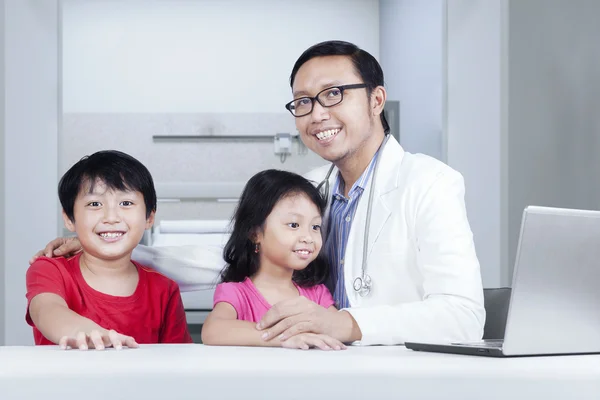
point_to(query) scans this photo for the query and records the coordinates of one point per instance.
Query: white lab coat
(421, 256)
(426, 280)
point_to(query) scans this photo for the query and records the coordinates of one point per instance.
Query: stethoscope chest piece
(362, 285)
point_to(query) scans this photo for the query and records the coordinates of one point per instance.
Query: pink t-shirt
(250, 305)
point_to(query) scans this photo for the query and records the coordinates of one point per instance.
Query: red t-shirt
(152, 314)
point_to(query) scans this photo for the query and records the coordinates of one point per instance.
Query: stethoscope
(362, 284)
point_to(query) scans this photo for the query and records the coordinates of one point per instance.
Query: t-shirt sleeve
(174, 327)
(324, 296)
(43, 276)
(229, 292)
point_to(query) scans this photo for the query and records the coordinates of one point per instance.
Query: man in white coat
(420, 279)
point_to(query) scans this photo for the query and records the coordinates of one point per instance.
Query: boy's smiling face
(109, 223)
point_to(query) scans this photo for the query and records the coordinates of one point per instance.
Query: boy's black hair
(364, 63)
(258, 198)
(117, 170)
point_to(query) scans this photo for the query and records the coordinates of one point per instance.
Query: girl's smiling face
(291, 236)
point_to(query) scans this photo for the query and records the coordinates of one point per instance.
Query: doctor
(403, 260)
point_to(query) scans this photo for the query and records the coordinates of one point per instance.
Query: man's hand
(59, 247)
(300, 315)
(97, 340)
(305, 341)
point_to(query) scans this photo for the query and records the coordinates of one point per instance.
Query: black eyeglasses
(327, 98)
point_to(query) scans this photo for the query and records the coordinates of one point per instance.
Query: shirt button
(342, 262)
(348, 218)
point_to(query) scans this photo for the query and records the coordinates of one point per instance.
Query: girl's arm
(222, 328)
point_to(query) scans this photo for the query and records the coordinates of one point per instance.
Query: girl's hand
(304, 341)
(97, 340)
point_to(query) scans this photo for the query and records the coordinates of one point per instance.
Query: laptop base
(456, 349)
(480, 350)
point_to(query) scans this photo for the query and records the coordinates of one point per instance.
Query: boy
(100, 297)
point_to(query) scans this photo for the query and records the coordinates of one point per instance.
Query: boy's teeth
(111, 234)
(326, 134)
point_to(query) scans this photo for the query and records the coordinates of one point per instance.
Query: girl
(272, 255)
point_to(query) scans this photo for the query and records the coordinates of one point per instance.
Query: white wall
(522, 119)
(30, 130)
(443, 61)
(475, 51)
(198, 56)
(2, 186)
(133, 69)
(412, 50)
(554, 119)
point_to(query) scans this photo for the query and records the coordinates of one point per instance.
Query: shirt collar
(360, 184)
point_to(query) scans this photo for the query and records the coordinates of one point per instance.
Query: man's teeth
(327, 134)
(111, 234)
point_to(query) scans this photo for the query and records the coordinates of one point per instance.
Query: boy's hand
(59, 247)
(97, 340)
(304, 341)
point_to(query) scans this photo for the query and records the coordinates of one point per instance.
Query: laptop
(555, 298)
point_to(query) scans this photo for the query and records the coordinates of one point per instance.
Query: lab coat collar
(388, 175)
(388, 171)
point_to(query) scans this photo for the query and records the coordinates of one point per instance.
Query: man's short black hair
(117, 170)
(364, 63)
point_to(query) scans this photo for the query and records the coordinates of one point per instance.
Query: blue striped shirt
(341, 214)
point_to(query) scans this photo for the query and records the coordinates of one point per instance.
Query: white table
(200, 372)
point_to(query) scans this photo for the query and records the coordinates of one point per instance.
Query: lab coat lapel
(380, 213)
(386, 181)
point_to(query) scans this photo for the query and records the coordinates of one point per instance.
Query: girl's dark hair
(258, 198)
(364, 63)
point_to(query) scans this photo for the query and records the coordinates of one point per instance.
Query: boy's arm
(49, 312)
(51, 315)
(222, 328)
(174, 327)
(47, 309)
(61, 325)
